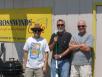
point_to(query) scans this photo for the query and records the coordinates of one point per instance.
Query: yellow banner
(15, 24)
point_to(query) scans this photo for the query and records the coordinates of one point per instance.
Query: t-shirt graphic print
(35, 50)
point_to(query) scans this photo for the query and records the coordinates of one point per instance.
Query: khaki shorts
(29, 72)
(81, 71)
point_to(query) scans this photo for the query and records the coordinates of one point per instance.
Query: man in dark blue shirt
(59, 44)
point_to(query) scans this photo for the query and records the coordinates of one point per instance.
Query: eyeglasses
(60, 25)
(79, 26)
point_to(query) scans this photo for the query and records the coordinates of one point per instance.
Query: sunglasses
(37, 30)
(60, 25)
(79, 26)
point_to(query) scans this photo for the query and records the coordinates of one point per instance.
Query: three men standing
(69, 52)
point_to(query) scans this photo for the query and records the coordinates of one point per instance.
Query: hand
(56, 56)
(24, 65)
(74, 43)
(82, 45)
(55, 39)
(45, 69)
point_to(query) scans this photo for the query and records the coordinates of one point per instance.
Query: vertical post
(3, 49)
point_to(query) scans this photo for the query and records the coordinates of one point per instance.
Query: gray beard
(60, 30)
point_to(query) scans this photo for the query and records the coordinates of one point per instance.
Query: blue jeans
(63, 68)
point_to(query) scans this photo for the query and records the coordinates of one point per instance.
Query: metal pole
(56, 64)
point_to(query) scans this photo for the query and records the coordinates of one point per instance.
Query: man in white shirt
(36, 54)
